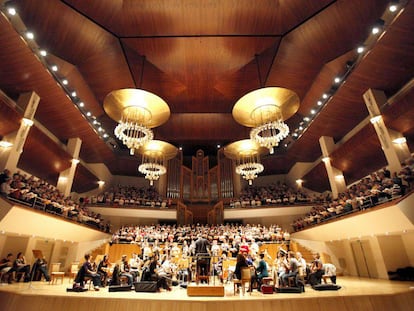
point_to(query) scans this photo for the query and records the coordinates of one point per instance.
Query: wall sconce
(299, 182)
(375, 119)
(326, 159)
(75, 161)
(5, 144)
(27, 122)
(400, 140)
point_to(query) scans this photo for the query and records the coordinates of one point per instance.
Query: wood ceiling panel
(42, 157)
(400, 115)
(193, 126)
(360, 155)
(304, 50)
(84, 180)
(317, 179)
(9, 118)
(186, 17)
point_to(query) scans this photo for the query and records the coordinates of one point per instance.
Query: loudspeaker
(119, 288)
(146, 286)
(296, 290)
(326, 287)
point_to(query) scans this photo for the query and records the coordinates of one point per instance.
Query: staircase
(307, 253)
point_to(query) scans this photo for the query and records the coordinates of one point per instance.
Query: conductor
(202, 248)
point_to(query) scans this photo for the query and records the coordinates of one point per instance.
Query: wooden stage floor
(355, 294)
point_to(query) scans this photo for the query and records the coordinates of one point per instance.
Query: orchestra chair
(74, 268)
(246, 276)
(55, 273)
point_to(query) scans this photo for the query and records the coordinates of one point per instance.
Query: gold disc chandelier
(265, 110)
(246, 154)
(136, 111)
(155, 155)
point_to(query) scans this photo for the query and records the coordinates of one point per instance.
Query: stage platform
(355, 294)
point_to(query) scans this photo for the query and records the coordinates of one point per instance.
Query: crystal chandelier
(154, 157)
(264, 110)
(136, 111)
(131, 129)
(249, 167)
(246, 154)
(152, 170)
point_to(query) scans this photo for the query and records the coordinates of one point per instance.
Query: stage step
(205, 290)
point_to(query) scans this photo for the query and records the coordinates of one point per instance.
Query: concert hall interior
(175, 141)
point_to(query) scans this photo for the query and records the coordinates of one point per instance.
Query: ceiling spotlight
(306, 119)
(43, 53)
(81, 104)
(337, 80)
(88, 114)
(54, 68)
(11, 11)
(313, 111)
(29, 35)
(360, 49)
(65, 82)
(319, 103)
(73, 94)
(105, 135)
(393, 6)
(377, 27)
(325, 96)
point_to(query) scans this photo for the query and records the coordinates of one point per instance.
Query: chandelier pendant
(136, 111)
(155, 155)
(246, 154)
(265, 110)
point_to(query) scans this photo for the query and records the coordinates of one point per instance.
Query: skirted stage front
(355, 294)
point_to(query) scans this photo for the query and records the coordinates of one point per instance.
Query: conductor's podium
(205, 290)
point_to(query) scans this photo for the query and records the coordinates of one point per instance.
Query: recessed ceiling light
(360, 49)
(11, 11)
(393, 7)
(29, 35)
(54, 68)
(43, 53)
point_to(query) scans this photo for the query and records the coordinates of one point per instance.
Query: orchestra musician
(124, 270)
(104, 269)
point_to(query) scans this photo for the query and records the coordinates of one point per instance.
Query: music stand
(36, 254)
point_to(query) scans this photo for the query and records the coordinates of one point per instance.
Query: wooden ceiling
(201, 57)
